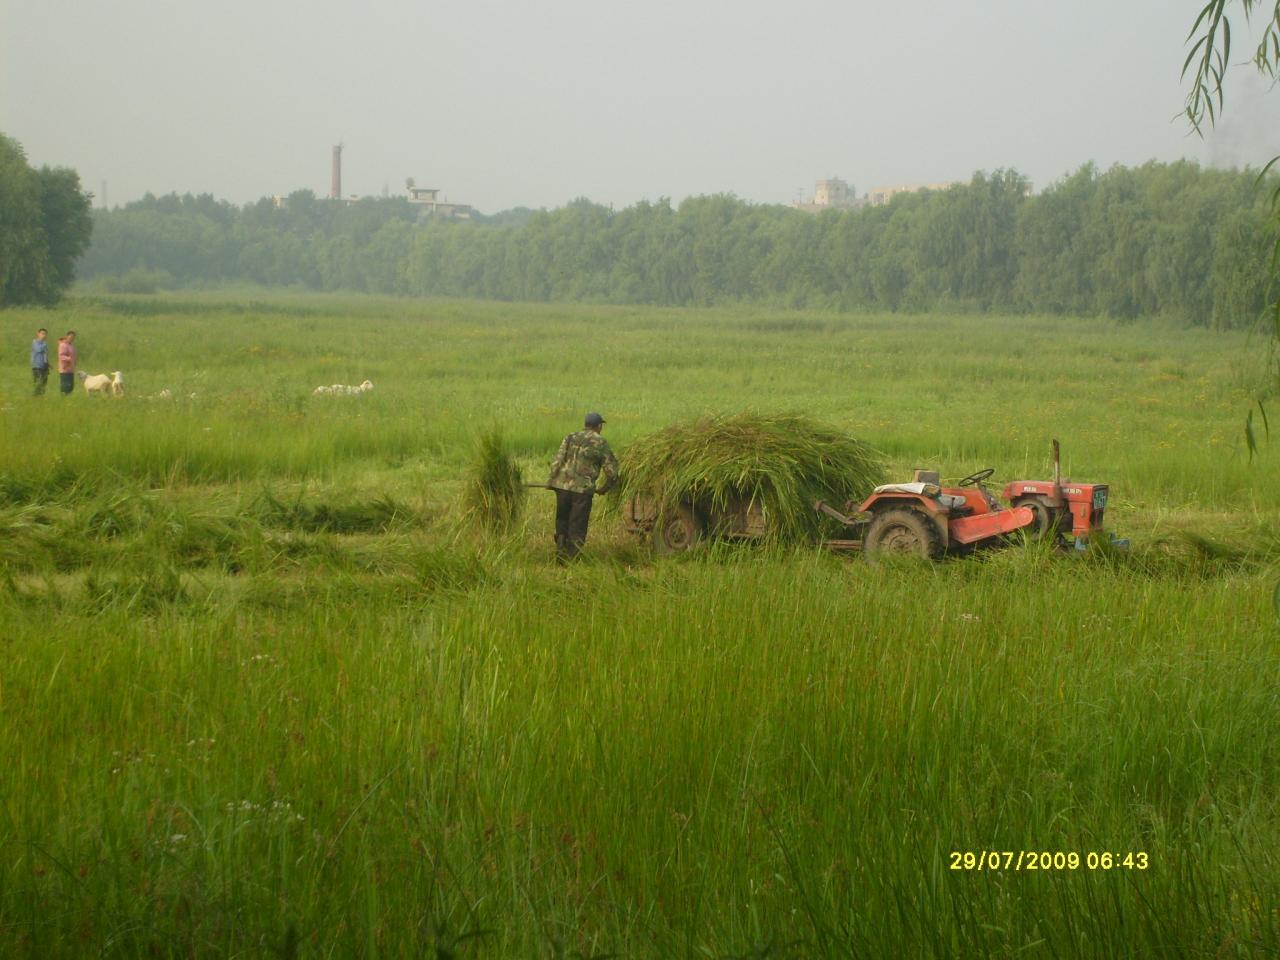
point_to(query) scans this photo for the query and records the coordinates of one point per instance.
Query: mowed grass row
(771, 753)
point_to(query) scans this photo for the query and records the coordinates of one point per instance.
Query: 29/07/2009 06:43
(1046, 860)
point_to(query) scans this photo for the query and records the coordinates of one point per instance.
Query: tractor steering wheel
(975, 478)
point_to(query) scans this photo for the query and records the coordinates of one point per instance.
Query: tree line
(44, 228)
(1171, 240)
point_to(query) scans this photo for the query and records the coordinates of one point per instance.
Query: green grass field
(266, 691)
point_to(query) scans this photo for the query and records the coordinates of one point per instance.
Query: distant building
(429, 204)
(831, 194)
(835, 194)
(882, 195)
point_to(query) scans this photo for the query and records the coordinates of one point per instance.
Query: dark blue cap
(594, 420)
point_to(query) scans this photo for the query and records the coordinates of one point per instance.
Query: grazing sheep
(103, 384)
(343, 389)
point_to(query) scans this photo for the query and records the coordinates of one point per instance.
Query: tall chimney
(335, 185)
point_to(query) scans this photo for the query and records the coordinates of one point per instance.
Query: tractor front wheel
(1045, 525)
(677, 532)
(902, 532)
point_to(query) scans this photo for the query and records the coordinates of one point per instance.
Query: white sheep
(343, 389)
(102, 383)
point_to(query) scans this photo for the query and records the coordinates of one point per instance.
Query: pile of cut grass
(495, 492)
(781, 461)
(373, 516)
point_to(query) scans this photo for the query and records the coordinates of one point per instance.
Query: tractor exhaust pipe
(1057, 477)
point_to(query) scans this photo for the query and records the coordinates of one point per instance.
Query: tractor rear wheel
(677, 531)
(902, 532)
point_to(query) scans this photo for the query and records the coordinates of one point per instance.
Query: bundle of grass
(495, 491)
(782, 462)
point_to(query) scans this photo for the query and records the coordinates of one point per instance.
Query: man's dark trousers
(39, 376)
(573, 512)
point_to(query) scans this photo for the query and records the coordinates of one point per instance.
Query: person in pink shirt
(67, 363)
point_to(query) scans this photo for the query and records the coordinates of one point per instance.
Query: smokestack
(335, 185)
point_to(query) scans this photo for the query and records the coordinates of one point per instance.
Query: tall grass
(702, 759)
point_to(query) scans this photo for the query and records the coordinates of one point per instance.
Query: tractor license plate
(1099, 498)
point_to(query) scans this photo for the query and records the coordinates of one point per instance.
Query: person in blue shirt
(40, 360)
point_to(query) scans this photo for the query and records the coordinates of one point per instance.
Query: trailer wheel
(677, 532)
(902, 532)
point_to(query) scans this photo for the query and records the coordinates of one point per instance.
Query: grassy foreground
(266, 693)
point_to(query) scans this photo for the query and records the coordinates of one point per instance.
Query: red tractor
(924, 519)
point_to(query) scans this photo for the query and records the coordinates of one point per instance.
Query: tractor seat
(949, 501)
(919, 489)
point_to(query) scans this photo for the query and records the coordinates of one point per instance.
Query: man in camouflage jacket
(574, 471)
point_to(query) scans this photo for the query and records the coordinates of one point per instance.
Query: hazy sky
(534, 103)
